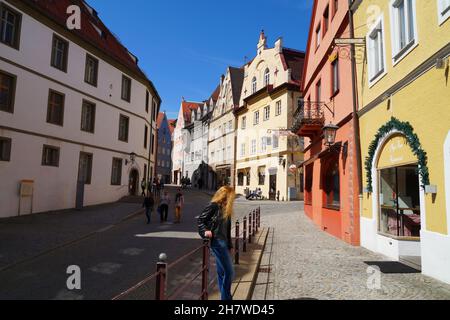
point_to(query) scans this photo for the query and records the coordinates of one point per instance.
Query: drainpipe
(356, 137)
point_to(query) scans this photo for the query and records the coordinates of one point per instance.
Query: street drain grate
(264, 270)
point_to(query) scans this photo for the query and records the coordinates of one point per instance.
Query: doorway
(400, 202)
(273, 187)
(133, 182)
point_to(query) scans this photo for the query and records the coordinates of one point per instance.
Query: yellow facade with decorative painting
(413, 86)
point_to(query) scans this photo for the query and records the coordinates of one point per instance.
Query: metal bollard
(259, 217)
(236, 244)
(244, 236)
(161, 278)
(205, 270)
(250, 227)
(255, 230)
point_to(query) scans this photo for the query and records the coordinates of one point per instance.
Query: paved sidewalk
(25, 237)
(307, 263)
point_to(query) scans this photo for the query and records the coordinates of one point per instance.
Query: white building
(222, 128)
(77, 115)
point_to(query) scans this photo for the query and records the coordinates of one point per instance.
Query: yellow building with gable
(404, 112)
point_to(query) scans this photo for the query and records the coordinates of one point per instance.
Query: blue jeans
(148, 213)
(224, 264)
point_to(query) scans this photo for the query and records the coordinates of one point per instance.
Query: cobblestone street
(306, 263)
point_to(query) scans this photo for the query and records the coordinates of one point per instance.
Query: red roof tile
(104, 41)
(188, 107)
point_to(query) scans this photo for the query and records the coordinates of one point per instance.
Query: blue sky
(184, 46)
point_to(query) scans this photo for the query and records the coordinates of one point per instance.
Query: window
(212, 156)
(253, 147)
(85, 167)
(126, 88)
(332, 186)
(91, 71)
(152, 142)
(375, 48)
(242, 149)
(229, 155)
(266, 113)
(335, 76)
(267, 77)
(9, 26)
(319, 91)
(5, 149)
(243, 123)
(146, 136)
(403, 24)
(256, 118)
(147, 101)
(248, 177)
(261, 175)
(55, 110)
(399, 202)
(275, 141)
(123, 128)
(263, 144)
(50, 156)
(60, 50)
(278, 108)
(318, 36)
(154, 108)
(116, 172)
(254, 85)
(443, 10)
(7, 92)
(192, 156)
(240, 178)
(308, 183)
(88, 117)
(326, 20)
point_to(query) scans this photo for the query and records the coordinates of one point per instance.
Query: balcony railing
(309, 119)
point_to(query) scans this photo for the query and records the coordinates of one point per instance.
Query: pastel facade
(181, 140)
(164, 151)
(222, 130)
(331, 172)
(265, 149)
(404, 114)
(77, 115)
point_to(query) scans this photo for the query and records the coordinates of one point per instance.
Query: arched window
(267, 77)
(332, 186)
(254, 85)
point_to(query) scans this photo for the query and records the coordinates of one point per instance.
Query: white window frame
(318, 34)
(263, 144)
(242, 149)
(256, 118)
(266, 113)
(254, 85)
(253, 147)
(378, 23)
(440, 6)
(267, 77)
(244, 123)
(397, 53)
(278, 108)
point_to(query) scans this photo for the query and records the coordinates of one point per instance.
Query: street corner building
(164, 151)
(328, 110)
(222, 131)
(77, 114)
(404, 96)
(268, 154)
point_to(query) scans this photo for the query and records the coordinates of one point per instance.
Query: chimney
(279, 45)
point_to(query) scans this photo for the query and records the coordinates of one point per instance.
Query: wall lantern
(132, 158)
(329, 134)
(282, 161)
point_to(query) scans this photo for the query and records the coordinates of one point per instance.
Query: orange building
(331, 163)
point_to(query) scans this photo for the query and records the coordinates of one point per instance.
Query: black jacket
(148, 202)
(209, 220)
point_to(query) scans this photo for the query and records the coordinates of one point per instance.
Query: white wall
(54, 187)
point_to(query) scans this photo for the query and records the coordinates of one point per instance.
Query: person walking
(164, 206)
(143, 186)
(215, 223)
(179, 202)
(148, 204)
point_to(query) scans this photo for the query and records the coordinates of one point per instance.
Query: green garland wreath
(412, 140)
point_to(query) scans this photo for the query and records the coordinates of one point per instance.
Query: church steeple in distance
(262, 43)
